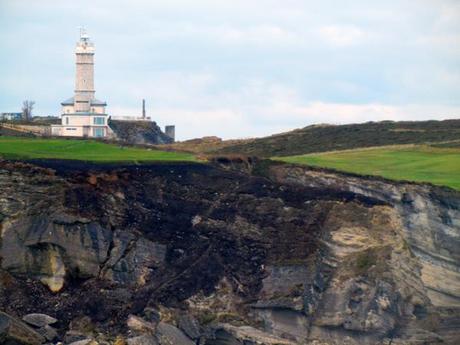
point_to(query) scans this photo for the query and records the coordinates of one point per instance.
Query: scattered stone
(138, 324)
(143, 340)
(39, 320)
(82, 324)
(152, 315)
(228, 334)
(190, 326)
(119, 341)
(48, 332)
(73, 336)
(17, 331)
(169, 335)
(84, 342)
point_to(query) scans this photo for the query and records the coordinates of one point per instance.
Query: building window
(98, 120)
(98, 132)
(67, 120)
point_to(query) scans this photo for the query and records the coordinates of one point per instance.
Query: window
(98, 132)
(98, 121)
(67, 120)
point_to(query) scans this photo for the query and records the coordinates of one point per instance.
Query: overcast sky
(239, 68)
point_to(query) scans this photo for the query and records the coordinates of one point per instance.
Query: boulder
(169, 335)
(73, 336)
(50, 250)
(15, 330)
(48, 332)
(152, 314)
(142, 340)
(228, 334)
(190, 326)
(84, 342)
(139, 325)
(82, 325)
(39, 320)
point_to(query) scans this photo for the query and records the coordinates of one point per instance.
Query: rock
(36, 246)
(169, 335)
(73, 336)
(131, 261)
(39, 320)
(142, 340)
(84, 342)
(15, 330)
(228, 334)
(316, 255)
(190, 326)
(139, 132)
(119, 340)
(139, 325)
(48, 332)
(82, 325)
(53, 270)
(152, 315)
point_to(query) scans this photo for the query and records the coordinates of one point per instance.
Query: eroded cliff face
(297, 256)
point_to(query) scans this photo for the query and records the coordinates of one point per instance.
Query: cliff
(139, 132)
(251, 253)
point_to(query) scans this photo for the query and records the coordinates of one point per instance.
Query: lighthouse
(84, 80)
(83, 115)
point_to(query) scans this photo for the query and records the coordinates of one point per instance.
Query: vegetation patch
(207, 318)
(323, 138)
(440, 166)
(84, 150)
(365, 260)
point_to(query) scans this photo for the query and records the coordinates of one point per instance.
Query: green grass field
(85, 150)
(439, 166)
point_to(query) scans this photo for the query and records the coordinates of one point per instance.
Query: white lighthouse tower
(83, 115)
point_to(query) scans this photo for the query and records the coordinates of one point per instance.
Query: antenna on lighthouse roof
(83, 35)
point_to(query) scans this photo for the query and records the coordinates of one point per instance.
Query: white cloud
(240, 68)
(339, 113)
(266, 34)
(279, 117)
(342, 36)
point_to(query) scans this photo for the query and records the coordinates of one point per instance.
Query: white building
(83, 115)
(11, 116)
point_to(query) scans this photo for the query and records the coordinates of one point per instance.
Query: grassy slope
(329, 138)
(88, 150)
(204, 145)
(439, 166)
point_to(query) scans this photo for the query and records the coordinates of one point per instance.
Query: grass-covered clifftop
(85, 150)
(419, 163)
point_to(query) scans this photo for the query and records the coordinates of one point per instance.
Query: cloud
(239, 68)
(256, 35)
(342, 36)
(279, 117)
(318, 112)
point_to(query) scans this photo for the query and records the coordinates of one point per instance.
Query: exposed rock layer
(295, 256)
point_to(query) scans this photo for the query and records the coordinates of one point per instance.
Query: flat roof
(71, 101)
(84, 114)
